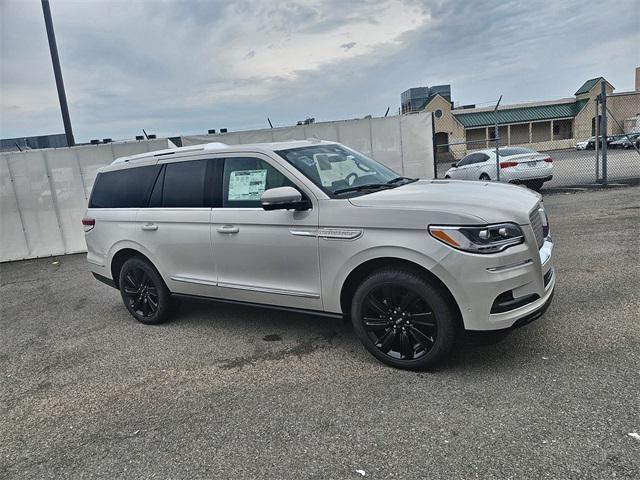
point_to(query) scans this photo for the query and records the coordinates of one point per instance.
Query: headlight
(545, 220)
(486, 239)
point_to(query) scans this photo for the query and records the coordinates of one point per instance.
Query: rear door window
(184, 184)
(126, 188)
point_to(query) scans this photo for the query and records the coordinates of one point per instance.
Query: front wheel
(402, 320)
(143, 291)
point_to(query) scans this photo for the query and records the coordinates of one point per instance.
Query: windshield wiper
(360, 188)
(398, 179)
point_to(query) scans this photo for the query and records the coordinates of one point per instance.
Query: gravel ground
(234, 392)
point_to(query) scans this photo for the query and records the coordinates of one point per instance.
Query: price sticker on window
(247, 185)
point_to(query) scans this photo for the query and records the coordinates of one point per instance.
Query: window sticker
(247, 184)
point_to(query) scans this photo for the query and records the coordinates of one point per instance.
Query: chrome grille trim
(536, 225)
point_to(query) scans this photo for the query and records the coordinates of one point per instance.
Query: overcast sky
(181, 67)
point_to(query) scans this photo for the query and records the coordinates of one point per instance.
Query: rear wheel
(143, 291)
(402, 320)
(485, 177)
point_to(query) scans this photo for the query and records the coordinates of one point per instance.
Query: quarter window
(126, 188)
(246, 178)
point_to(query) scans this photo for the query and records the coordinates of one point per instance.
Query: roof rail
(169, 151)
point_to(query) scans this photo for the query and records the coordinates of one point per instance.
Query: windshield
(339, 170)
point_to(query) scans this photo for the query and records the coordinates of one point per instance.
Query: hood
(488, 202)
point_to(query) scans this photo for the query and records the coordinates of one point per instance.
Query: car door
(268, 257)
(479, 166)
(462, 168)
(176, 227)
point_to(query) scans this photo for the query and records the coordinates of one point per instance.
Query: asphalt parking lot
(233, 392)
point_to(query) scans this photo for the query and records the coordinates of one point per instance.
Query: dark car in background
(626, 141)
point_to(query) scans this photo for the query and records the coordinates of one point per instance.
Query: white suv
(316, 227)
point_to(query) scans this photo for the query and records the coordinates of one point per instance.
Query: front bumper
(477, 283)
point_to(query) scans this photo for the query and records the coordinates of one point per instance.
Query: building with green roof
(546, 125)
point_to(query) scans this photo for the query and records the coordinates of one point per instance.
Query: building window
(438, 113)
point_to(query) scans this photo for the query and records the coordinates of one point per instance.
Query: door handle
(228, 229)
(149, 226)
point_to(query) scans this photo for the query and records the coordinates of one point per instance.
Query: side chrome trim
(304, 233)
(276, 291)
(329, 233)
(199, 281)
(340, 233)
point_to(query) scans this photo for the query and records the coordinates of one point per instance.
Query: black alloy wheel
(140, 292)
(399, 322)
(143, 291)
(402, 319)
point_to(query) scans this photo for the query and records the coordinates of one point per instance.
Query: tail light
(508, 164)
(548, 160)
(88, 223)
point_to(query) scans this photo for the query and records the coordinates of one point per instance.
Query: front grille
(536, 224)
(547, 277)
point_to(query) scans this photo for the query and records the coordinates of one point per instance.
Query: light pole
(57, 72)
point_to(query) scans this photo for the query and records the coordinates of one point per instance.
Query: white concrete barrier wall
(403, 143)
(44, 193)
(43, 196)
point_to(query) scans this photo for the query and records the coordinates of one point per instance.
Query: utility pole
(495, 116)
(57, 71)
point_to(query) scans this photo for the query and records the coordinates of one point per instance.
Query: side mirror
(283, 198)
(454, 164)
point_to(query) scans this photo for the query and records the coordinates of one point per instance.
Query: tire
(447, 177)
(537, 186)
(485, 177)
(384, 303)
(143, 291)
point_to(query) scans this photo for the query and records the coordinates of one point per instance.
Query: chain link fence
(577, 158)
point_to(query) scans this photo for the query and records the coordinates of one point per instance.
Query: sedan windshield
(340, 171)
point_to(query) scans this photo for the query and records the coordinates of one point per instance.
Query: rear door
(176, 226)
(479, 166)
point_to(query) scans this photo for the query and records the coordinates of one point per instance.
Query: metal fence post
(434, 146)
(604, 130)
(495, 116)
(596, 147)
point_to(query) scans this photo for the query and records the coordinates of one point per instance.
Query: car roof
(217, 147)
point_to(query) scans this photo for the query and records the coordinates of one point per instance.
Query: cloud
(177, 67)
